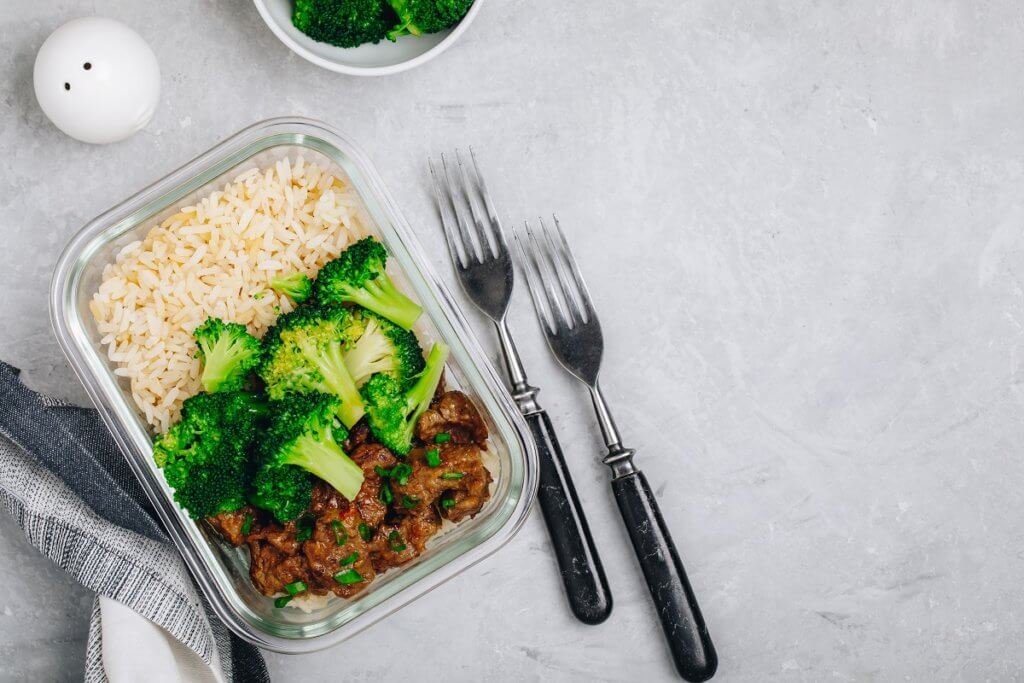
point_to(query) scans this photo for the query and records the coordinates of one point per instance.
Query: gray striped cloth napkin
(64, 481)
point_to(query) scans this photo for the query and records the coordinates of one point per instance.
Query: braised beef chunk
(372, 457)
(283, 538)
(399, 543)
(325, 498)
(338, 557)
(453, 414)
(357, 436)
(271, 570)
(459, 477)
(339, 546)
(233, 526)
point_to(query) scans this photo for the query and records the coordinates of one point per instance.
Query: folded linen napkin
(64, 481)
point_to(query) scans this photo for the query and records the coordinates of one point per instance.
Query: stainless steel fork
(573, 332)
(482, 261)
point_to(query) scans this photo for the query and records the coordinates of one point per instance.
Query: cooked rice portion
(217, 258)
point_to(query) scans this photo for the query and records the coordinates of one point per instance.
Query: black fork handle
(585, 583)
(692, 650)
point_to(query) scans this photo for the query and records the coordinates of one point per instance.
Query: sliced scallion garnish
(396, 542)
(401, 472)
(433, 457)
(348, 577)
(340, 535)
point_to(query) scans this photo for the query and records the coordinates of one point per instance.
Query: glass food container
(221, 570)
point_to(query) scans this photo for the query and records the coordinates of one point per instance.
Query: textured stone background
(802, 225)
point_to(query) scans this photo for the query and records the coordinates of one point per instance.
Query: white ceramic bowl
(366, 60)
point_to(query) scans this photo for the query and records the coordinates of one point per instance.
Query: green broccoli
(426, 16)
(345, 23)
(381, 346)
(228, 353)
(302, 440)
(205, 456)
(357, 276)
(393, 411)
(296, 286)
(304, 353)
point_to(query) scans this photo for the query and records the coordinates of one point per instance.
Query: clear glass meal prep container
(222, 571)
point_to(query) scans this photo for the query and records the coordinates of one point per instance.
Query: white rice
(217, 258)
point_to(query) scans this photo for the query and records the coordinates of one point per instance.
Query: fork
(483, 264)
(573, 332)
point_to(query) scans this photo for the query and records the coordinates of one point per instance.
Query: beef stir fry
(329, 447)
(338, 546)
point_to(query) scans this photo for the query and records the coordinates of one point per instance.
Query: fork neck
(525, 395)
(619, 458)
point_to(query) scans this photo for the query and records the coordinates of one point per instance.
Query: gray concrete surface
(802, 223)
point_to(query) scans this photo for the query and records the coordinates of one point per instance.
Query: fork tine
(497, 232)
(458, 191)
(582, 291)
(561, 317)
(470, 191)
(533, 281)
(560, 269)
(444, 205)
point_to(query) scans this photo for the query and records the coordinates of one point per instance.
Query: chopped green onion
(296, 587)
(259, 295)
(409, 502)
(442, 437)
(365, 532)
(395, 541)
(447, 503)
(247, 525)
(401, 473)
(382, 472)
(385, 495)
(304, 528)
(282, 601)
(350, 559)
(348, 577)
(434, 457)
(453, 475)
(339, 532)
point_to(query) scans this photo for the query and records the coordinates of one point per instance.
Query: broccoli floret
(296, 286)
(426, 16)
(228, 353)
(304, 353)
(357, 276)
(392, 411)
(302, 440)
(345, 23)
(381, 346)
(205, 456)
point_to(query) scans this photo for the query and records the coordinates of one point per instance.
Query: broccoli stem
(337, 379)
(422, 393)
(222, 361)
(381, 295)
(325, 459)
